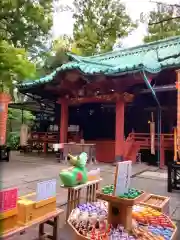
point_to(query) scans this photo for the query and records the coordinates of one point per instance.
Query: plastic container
(94, 174)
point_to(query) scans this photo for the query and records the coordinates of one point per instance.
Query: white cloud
(63, 21)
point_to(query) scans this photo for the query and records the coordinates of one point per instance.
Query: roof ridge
(102, 64)
(123, 51)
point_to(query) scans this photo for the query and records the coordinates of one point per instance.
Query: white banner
(123, 177)
(45, 190)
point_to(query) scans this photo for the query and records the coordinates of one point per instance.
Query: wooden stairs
(138, 141)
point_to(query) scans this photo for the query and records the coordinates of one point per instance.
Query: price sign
(8, 199)
(45, 190)
(123, 177)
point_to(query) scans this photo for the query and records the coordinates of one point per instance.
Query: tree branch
(164, 20)
(167, 4)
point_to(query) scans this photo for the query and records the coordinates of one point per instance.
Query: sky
(63, 21)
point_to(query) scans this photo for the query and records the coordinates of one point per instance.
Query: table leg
(169, 183)
(68, 203)
(56, 229)
(41, 230)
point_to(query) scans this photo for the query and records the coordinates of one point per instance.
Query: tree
(24, 26)
(14, 66)
(25, 23)
(162, 23)
(98, 23)
(57, 55)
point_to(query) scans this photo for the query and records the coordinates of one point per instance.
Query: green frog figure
(77, 174)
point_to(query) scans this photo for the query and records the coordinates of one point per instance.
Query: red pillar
(64, 121)
(119, 141)
(4, 101)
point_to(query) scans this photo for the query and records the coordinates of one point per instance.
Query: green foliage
(17, 115)
(98, 23)
(25, 23)
(163, 29)
(14, 66)
(13, 140)
(57, 54)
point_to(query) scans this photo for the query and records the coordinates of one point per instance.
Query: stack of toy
(156, 223)
(90, 222)
(131, 194)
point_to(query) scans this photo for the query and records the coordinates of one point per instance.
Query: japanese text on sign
(123, 177)
(8, 199)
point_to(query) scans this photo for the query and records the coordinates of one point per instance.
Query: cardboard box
(160, 203)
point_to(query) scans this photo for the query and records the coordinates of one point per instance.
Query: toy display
(131, 194)
(118, 216)
(77, 174)
(90, 220)
(156, 223)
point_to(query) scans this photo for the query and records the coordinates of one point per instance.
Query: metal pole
(159, 136)
(159, 115)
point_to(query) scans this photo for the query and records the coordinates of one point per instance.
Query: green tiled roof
(151, 57)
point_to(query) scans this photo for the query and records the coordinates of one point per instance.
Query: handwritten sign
(45, 190)
(123, 177)
(8, 199)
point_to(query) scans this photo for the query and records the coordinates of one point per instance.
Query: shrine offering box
(8, 221)
(160, 203)
(8, 210)
(29, 209)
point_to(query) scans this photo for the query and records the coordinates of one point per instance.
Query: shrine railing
(49, 137)
(144, 139)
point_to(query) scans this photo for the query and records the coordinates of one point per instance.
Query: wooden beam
(107, 98)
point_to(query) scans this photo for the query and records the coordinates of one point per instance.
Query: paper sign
(57, 146)
(45, 190)
(8, 199)
(123, 177)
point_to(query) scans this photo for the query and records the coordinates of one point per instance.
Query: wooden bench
(52, 219)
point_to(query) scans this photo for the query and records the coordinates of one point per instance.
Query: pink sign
(8, 199)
